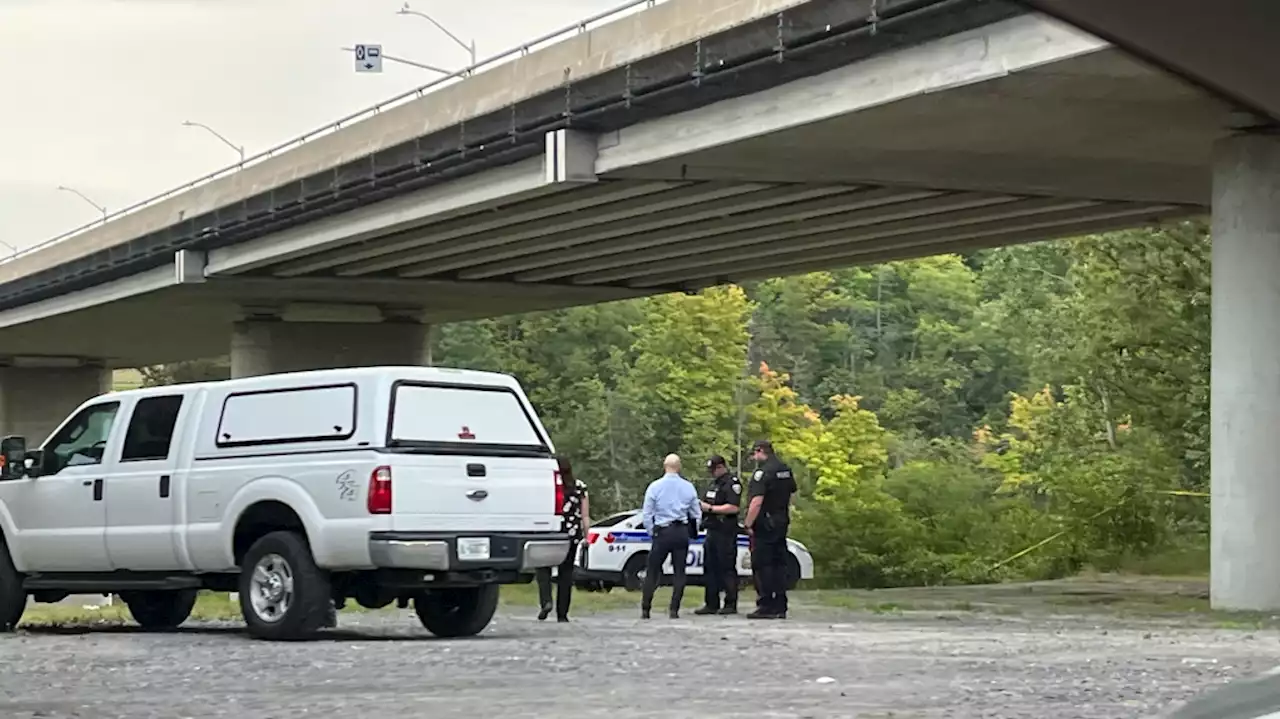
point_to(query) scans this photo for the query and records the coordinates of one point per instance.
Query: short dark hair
(762, 445)
(716, 461)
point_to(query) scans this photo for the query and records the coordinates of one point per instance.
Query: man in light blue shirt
(671, 515)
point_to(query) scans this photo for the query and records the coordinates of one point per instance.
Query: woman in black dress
(576, 521)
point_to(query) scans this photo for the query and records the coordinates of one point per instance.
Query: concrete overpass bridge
(692, 143)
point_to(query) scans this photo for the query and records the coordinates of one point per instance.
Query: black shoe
(562, 620)
(674, 613)
(704, 611)
(544, 613)
(762, 614)
(725, 611)
(644, 613)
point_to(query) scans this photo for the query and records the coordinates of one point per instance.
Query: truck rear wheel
(283, 594)
(160, 610)
(13, 598)
(462, 612)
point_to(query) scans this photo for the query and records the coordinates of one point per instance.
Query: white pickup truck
(299, 491)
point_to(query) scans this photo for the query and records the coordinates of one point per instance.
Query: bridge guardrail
(632, 6)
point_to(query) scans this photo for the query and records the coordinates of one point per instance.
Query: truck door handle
(164, 486)
(97, 490)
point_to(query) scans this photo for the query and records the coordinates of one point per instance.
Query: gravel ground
(818, 664)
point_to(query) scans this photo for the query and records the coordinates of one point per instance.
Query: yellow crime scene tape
(1058, 535)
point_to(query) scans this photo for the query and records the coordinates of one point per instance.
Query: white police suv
(617, 550)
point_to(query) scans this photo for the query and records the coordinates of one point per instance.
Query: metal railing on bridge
(488, 63)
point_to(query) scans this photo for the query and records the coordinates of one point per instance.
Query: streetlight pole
(469, 47)
(410, 63)
(215, 133)
(80, 194)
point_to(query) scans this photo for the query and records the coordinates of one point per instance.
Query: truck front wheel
(462, 612)
(160, 610)
(13, 598)
(283, 594)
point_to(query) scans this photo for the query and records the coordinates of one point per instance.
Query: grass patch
(209, 607)
(1188, 560)
(1115, 595)
(217, 606)
(525, 596)
(123, 379)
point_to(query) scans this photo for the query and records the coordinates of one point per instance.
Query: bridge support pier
(35, 399)
(267, 345)
(1245, 375)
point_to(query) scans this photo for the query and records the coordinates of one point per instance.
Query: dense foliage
(943, 414)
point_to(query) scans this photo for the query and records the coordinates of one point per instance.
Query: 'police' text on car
(617, 547)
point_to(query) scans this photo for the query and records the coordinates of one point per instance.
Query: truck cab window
(83, 440)
(151, 428)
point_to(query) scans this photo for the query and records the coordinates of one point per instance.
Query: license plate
(473, 548)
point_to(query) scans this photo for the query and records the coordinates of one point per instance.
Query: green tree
(689, 363)
(205, 370)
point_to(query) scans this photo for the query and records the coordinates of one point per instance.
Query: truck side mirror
(13, 457)
(37, 461)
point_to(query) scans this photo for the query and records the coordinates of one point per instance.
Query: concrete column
(261, 347)
(35, 400)
(1245, 376)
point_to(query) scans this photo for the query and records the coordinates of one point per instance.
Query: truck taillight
(379, 501)
(559, 492)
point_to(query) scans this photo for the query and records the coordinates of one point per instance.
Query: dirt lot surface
(882, 654)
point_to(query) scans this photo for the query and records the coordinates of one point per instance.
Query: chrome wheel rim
(271, 588)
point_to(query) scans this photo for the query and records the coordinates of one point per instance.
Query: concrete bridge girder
(710, 195)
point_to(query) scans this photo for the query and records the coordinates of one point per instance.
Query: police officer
(768, 517)
(720, 552)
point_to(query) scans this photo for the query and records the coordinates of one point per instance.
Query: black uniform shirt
(725, 489)
(775, 482)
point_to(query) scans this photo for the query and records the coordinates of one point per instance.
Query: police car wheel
(793, 571)
(634, 571)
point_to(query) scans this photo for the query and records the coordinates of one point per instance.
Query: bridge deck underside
(742, 189)
(657, 236)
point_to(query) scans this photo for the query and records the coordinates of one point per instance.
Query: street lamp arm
(471, 48)
(80, 194)
(215, 133)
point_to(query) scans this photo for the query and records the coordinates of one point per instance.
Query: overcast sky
(93, 93)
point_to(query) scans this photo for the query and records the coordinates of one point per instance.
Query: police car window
(610, 521)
